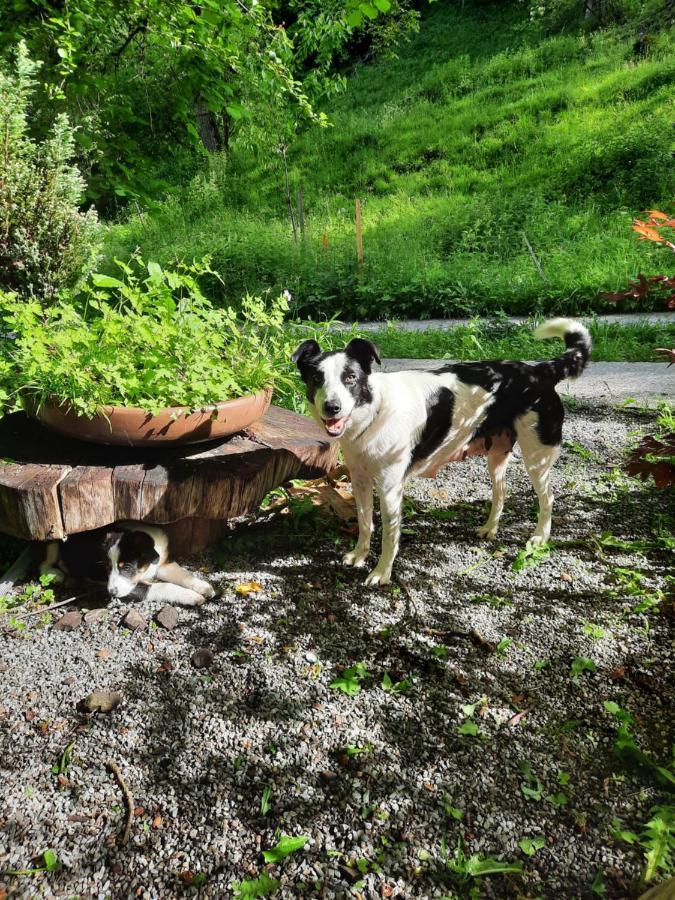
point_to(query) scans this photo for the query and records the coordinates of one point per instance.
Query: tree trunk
(206, 126)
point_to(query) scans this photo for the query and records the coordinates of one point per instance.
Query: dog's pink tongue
(333, 426)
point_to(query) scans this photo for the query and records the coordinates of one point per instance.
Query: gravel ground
(383, 783)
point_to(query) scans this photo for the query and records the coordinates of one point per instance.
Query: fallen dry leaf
(618, 674)
(103, 653)
(157, 822)
(249, 587)
(99, 701)
(138, 811)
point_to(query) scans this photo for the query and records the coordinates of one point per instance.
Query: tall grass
(480, 134)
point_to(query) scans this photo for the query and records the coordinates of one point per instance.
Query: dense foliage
(150, 82)
(148, 341)
(459, 149)
(46, 242)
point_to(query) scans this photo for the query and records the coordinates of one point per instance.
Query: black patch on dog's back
(517, 388)
(439, 419)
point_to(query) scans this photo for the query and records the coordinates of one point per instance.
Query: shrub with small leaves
(46, 242)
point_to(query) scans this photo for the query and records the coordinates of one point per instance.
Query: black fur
(360, 357)
(439, 420)
(137, 552)
(517, 388)
(364, 352)
(85, 556)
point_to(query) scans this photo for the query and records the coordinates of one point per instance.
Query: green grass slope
(481, 133)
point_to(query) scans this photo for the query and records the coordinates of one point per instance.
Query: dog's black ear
(306, 351)
(364, 352)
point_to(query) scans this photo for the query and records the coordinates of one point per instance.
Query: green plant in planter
(149, 339)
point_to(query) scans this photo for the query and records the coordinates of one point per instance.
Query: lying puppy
(393, 426)
(131, 559)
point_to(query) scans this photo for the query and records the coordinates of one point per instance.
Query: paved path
(664, 318)
(603, 382)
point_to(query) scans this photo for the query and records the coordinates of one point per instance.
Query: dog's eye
(350, 379)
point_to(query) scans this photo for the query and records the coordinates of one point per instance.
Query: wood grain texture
(51, 486)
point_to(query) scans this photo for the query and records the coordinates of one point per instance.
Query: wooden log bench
(52, 486)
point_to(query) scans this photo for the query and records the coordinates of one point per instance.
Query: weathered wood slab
(51, 486)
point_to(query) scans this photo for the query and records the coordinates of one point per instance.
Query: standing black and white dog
(131, 559)
(396, 425)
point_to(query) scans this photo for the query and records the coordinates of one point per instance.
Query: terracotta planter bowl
(132, 427)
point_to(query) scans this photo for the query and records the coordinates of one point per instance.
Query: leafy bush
(151, 342)
(45, 241)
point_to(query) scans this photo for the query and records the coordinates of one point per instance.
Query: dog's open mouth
(335, 427)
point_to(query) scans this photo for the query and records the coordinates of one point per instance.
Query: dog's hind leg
(175, 574)
(538, 459)
(497, 463)
(362, 486)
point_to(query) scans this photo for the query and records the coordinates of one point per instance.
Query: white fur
(378, 439)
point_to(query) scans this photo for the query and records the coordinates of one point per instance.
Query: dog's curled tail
(572, 362)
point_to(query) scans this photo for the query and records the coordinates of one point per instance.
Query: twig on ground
(43, 609)
(128, 798)
(408, 596)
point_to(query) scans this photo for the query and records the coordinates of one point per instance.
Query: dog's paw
(537, 540)
(356, 559)
(202, 587)
(378, 576)
(487, 532)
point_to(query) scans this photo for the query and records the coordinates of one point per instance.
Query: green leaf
(285, 846)
(264, 886)
(106, 281)
(659, 841)
(354, 18)
(529, 846)
(383, 5)
(581, 664)
(368, 9)
(155, 271)
(469, 728)
(477, 867)
(559, 799)
(51, 861)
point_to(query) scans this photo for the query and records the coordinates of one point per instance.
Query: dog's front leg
(175, 574)
(390, 490)
(362, 486)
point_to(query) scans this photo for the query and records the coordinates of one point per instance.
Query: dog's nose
(331, 407)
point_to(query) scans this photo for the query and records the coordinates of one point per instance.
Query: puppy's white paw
(204, 588)
(378, 576)
(536, 541)
(355, 558)
(488, 532)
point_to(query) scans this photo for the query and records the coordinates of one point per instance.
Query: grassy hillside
(481, 132)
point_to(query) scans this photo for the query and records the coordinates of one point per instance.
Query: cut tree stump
(51, 486)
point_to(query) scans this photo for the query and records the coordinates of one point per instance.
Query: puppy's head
(337, 382)
(132, 558)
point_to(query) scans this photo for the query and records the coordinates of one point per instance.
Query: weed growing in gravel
(529, 846)
(395, 687)
(350, 680)
(529, 557)
(581, 664)
(265, 804)
(263, 886)
(657, 839)
(464, 868)
(627, 750)
(284, 847)
(50, 863)
(531, 787)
